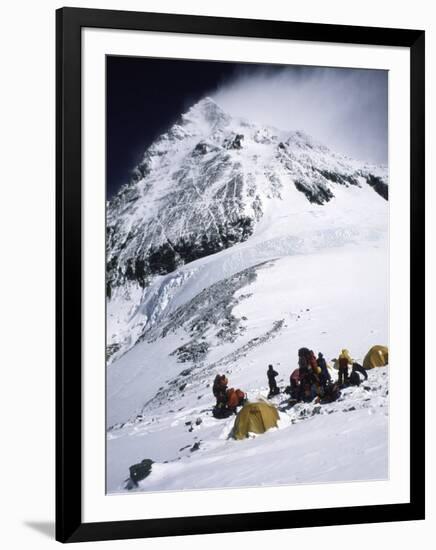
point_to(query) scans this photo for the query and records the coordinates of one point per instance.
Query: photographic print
(247, 275)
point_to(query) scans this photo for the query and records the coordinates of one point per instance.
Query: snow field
(343, 441)
(318, 312)
(312, 275)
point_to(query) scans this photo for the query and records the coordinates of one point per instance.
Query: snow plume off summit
(347, 109)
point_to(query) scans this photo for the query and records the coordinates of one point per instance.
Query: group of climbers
(227, 399)
(342, 363)
(310, 380)
(312, 377)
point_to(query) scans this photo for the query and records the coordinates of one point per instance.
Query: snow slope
(289, 302)
(309, 268)
(342, 441)
(313, 298)
(212, 182)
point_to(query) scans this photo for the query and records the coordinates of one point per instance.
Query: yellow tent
(377, 356)
(256, 418)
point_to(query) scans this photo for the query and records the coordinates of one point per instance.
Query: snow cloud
(346, 109)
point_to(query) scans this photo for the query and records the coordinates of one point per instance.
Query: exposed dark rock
(203, 147)
(169, 256)
(343, 179)
(111, 349)
(316, 195)
(140, 471)
(186, 372)
(192, 351)
(378, 185)
(234, 142)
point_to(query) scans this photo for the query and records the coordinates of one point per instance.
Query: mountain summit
(206, 115)
(205, 184)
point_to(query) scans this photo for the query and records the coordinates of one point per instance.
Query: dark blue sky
(144, 97)
(347, 109)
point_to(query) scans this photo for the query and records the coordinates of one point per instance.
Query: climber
(294, 388)
(303, 361)
(331, 393)
(344, 360)
(308, 374)
(324, 376)
(355, 379)
(227, 399)
(235, 398)
(358, 368)
(271, 374)
(220, 389)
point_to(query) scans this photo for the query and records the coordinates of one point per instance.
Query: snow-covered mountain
(233, 245)
(206, 185)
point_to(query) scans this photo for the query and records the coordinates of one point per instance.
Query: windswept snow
(313, 295)
(343, 441)
(289, 302)
(293, 242)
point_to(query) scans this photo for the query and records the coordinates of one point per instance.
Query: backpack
(354, 379)
(221, 412)
(140, 471)
(241, 395)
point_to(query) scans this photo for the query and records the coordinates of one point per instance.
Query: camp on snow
(256, 418)
(377, 356)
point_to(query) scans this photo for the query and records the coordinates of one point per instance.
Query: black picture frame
(69, 22)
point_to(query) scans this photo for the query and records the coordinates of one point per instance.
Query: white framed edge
(96, 505)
